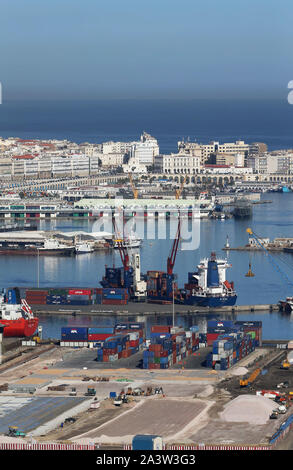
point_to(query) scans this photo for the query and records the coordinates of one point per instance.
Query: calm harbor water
(271, 220)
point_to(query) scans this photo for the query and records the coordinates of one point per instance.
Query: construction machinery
(285, 365)
(179, 191)
(91, 392)
(245, 382)
(13, 431)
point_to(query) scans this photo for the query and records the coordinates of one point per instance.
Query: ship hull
(20, 328)
(35, 252)
(218, 301)
(213, 301)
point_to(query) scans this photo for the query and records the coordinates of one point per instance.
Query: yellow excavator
(244, 382)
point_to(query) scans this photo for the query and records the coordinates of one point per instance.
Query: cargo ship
(16, 315)
(208, 286)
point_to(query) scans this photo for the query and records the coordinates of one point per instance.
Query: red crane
(172, 257)
(122, 250)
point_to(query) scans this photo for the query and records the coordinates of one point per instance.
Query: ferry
(16, 315)
(208, 286)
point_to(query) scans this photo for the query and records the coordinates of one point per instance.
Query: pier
(145, 309)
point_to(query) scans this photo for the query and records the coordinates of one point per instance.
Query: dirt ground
(189, 412)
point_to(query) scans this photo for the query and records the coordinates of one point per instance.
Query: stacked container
(169, 345)
(111, 296)
(229, 349)
(215, 328)
(36, 296)
(253, 328)
(128, 339)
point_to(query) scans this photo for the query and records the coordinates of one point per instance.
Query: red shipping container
(160, 329)
(134, 343)
(79, 292)
(114, 302)
(98, 337)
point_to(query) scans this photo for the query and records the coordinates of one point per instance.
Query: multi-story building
(274, 162)
(177, 163)
(213, 148)
(111, 159)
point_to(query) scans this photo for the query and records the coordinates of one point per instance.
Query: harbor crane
(179, 191)
(122, 249)
(270, 257)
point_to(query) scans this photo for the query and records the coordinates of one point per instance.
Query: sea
(168, 121)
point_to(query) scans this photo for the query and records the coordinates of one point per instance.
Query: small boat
(286, 305)
(132, 241)
(84, 247)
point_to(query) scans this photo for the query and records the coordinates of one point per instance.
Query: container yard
(186, 403)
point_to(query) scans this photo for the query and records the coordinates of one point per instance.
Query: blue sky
(91, 49)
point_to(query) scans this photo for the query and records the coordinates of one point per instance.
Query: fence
(207, 447)
(27, 446)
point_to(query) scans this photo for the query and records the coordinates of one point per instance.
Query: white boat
(129, 243)
(132, 241)
(84, 247)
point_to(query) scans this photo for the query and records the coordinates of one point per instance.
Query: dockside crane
(122, 249)
(270, 257)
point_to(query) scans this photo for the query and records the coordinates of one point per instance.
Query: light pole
(38, 270)
(173, 305)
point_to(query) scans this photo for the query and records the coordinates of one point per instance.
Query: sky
(181, 49)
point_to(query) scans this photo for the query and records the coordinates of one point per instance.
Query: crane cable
(270, 257)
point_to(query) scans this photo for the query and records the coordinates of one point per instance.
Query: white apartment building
(112, 159)
(271, 163)
(116, 147)
(144, 152)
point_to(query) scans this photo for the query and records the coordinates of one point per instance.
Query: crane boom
(122, 250)
(271, 259)
(172, 257)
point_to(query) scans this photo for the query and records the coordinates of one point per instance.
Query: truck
(91, 392)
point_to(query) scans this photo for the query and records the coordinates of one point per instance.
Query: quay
(145, 309)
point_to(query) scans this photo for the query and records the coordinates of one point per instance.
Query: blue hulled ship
(208, 286)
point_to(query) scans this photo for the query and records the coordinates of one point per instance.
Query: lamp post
(38, 269)
(173, 305)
